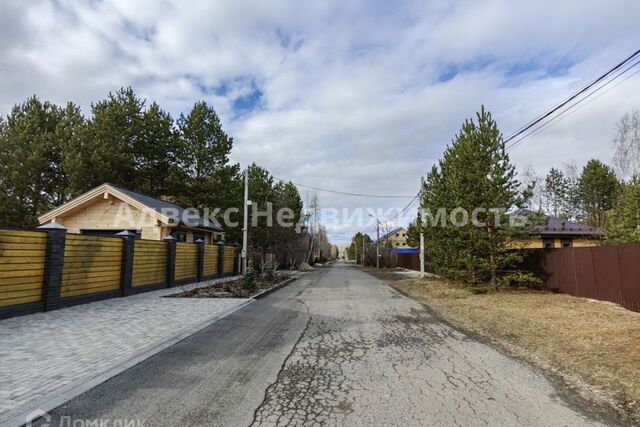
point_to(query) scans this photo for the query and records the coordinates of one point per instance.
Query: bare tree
(531, 180)
(627, 145)
(573, 204)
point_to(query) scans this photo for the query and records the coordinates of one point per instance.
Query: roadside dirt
(232, 289)
(592, 346)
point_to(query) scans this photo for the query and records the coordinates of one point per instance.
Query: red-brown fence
(608, 273)
(390, 258)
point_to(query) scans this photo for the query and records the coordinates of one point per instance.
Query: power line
(571, 98)
(568, 109)
(380, 196)
(572, 108)
(407, 207)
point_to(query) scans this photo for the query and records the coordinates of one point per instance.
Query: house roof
(161, 206)
(164, 209)
(558, 227)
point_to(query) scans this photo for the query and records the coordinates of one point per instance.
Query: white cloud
(352, 97)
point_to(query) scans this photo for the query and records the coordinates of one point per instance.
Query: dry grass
(593, 346)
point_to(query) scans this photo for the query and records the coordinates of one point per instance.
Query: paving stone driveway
(44, 354)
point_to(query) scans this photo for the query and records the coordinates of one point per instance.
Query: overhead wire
(572, 108)
(346, 193)
(534, 122)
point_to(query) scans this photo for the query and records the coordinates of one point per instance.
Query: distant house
(396, 238)
(109, 209)
(550, 232)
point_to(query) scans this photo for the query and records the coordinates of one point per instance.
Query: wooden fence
(22, 262)
(149, 263)
(49, 269)
(608, 273)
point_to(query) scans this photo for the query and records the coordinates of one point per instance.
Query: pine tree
(413, 232)
(35, 139)
(475, 172)
(111, 140)
(599, 189)
(156, 153)
(207, 179)
(624, 220)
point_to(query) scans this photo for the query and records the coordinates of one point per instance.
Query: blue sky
(351, 95)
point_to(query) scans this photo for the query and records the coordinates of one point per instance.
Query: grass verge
(593, 346)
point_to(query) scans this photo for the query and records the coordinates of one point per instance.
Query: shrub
(249, 280)
(478, 290)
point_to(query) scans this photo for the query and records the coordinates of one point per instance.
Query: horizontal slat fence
(210, 268)
(22, 261)
(91, 265)
(149, 263)
(229, 259)
(186, 261)
(49, 269)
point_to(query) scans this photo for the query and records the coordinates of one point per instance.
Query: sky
(356, 96)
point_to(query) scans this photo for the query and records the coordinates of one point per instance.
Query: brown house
(109, 209)
(551, 232)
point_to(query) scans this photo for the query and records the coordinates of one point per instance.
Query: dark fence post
(53, 264)
(220, 245)
(126, 269)
(200, 244)
(171, 260)
(238, 259)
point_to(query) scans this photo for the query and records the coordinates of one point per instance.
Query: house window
(567, 243)
(109, 233)
(197, 236)
(548, 243)
(179, 235)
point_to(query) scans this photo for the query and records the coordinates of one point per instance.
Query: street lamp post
(245, 221)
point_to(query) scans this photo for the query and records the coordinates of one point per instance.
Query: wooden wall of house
(111, 214)
(538, 243)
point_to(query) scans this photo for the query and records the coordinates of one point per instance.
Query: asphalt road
(337, 347)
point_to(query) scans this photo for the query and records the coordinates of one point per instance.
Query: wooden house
(109, 209)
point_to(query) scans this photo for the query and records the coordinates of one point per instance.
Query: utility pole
(421, 233)
(313, 225)
(378, 244)
(362, 253)
(378, 240)
(245, 224)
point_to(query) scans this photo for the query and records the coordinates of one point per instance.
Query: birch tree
(626, 159)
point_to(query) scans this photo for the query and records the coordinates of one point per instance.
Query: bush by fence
(48, 269)
(608, 273)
